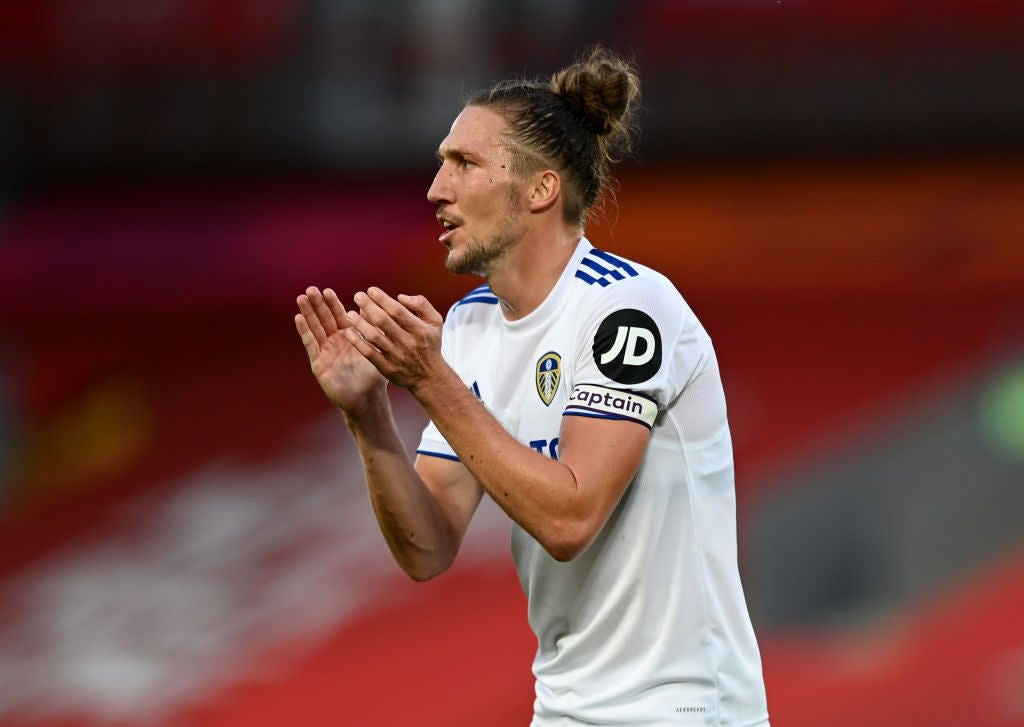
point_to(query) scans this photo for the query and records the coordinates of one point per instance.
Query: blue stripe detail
(438, 454)
(613, 417)
(612, 260)
(602, 270)
(484, 289)
(489, 300)
(590, 281)
(589, 413)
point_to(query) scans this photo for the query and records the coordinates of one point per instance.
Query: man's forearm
(539, 493)
(410, 519)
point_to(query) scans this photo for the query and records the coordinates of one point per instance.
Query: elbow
(425, 570)
(422, 574)
(568, 541)
(564, 553)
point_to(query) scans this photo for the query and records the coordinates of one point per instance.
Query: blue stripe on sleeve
(602, 270)
(575, 412)
(438, 454)
(612, 260)
(589, 280)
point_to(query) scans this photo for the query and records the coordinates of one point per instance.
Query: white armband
(589, 400)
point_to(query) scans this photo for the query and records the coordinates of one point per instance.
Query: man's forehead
(475, 130)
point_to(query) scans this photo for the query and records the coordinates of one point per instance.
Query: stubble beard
(479, 257)
(483, 256)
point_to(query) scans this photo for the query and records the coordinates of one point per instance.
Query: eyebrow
(453, 151)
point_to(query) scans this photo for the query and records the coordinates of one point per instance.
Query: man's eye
(459, 162)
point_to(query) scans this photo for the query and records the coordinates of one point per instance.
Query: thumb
(421, 308)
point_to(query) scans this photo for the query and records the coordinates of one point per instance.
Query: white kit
(648, 626)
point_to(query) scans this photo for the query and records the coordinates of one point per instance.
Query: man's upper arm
(604, 456)
(624, 373)
(455, 490)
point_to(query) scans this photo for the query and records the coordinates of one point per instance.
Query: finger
(312, 319)
(336, 307)
(370, 333)
(402, 316)
(308, 340)
(323, 312)
(377, 315)
(421, 308)
(367, 351)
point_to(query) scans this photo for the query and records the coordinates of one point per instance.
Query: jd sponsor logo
(627, 346)
(627, 338)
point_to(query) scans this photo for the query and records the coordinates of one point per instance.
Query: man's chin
(459, 263)
(452, 262)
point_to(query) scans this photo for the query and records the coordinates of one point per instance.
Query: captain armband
(600, 402)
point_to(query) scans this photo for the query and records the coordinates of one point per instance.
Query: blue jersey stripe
(602, 269)
(438, 454)
(484, 289)
(592, 414)
(489, 300)
(612, 260)
(589, 280)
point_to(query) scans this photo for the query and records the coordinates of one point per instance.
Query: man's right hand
(346, 377)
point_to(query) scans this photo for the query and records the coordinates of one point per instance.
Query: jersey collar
(541, 315)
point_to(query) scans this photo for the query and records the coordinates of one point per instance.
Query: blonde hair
(580, 122)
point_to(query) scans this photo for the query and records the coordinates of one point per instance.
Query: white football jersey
(648, 626)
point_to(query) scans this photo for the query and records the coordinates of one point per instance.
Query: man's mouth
(450, 226)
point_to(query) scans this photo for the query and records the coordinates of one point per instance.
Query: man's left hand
(400, 337)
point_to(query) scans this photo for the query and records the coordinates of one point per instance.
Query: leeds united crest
(549, 374)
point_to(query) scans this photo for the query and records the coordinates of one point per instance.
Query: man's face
(479, 201)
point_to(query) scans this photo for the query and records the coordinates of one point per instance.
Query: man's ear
(546, 189)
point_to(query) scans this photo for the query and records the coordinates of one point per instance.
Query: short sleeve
(638, 347)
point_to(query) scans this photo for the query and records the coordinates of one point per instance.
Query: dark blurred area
(99, 90)
(837, 187)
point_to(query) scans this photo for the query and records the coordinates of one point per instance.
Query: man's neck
(531, 271)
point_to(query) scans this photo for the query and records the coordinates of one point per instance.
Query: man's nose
(440, 191)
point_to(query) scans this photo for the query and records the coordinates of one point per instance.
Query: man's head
(480, 202)
(523, 149)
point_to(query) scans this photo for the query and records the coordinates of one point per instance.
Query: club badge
(549, 375)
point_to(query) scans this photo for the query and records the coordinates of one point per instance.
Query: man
(578, 390)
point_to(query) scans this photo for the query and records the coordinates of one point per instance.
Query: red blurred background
(185, 539)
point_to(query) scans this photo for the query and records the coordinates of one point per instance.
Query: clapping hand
(343, 373)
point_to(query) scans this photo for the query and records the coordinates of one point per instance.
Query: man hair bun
(605, 89)
(579, 122)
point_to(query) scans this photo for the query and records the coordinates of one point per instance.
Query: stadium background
(837, 187)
